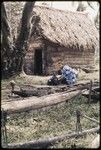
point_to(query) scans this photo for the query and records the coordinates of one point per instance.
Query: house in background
(58, 38)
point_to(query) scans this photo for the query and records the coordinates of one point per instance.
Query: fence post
(78, 123)
(90, 91)
(3, 125)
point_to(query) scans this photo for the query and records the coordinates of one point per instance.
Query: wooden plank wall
(56, 57)
(61, 56)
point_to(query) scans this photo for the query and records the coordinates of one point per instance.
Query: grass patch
(52, 121)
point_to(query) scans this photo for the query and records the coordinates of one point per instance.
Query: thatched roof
(69, 29)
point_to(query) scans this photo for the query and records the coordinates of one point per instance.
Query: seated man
(69, 75)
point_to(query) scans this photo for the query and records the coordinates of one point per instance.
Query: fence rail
(46, 142)
(33, 103)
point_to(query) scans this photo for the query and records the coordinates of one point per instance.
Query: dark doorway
(38, 62)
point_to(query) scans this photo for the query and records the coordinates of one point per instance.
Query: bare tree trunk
(81, 6)
(13, 54)
(6, 41)
(22, 40)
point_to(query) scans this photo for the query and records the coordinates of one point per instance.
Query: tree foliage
(82, 7)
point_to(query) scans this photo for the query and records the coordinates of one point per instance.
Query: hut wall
(29, 58)
(59, 56)
(55, 57)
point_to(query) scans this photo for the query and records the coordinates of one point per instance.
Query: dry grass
(52, 121)
(42, 80)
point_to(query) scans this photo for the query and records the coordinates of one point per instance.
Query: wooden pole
(91, 119)
(78, 122)
(25, 91)
(90, 91)
(4, 129)
(33, 103)
(46, 142)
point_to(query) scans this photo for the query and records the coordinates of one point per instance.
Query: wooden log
(26, 93)
(89, 70)
(46, 142)
(97, 89)
(40, 90)
(94, 95)
(93, 92)
(83, 82)
(43, 91)
(36, 103)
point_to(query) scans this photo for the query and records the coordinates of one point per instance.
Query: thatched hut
(58, 38)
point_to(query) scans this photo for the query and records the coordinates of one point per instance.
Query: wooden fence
(33, 103)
